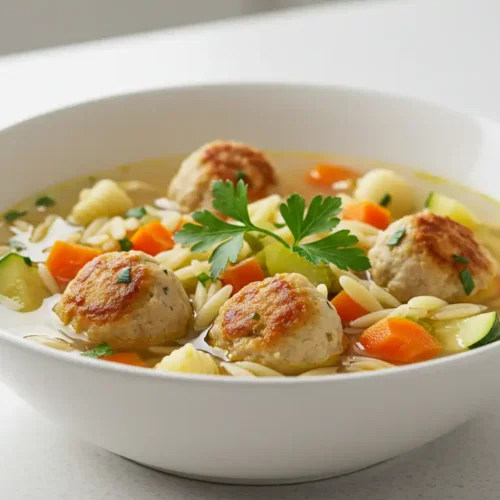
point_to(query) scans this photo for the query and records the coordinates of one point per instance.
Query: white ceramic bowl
(237, 430)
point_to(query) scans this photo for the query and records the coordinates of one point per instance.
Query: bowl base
(255, 482)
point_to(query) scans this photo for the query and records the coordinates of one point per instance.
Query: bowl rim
(189, 378)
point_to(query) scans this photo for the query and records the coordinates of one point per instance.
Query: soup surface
(235, 262)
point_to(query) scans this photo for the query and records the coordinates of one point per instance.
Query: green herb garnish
(241, 176)
(165, 271)
(103, 349)
(428, 199)
(14, 214)
(137, 212)
(28, 261)
(124, 275)
(461, 259)
(386, 199)
(255, 316)
(467, 281)
(16, 245)
(231, 201)
(203, 278)
(396, 238)
(125, 244)
(165, 290)
(45, 201)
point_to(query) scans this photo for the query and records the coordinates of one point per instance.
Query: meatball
(422, 262)
(282, 322)
(127, 300)
(220, 160)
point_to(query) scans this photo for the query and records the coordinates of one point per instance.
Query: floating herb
(386, 199)
(45, 202)
(125, 244)
(103, 349)
(467, 281)
(124, 275)
(14, 214)
(165, 271)
(241, 176)
(203, 278)
(396, 238)
(137, 212)
(28, 261)
(461, 259)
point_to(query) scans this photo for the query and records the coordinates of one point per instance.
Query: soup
(253, 264)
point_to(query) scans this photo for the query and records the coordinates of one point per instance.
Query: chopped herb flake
(467, 281)
(103, 349)
(17, 245)
(203, 278)
(396, 238)
(165, 271)
(461, 259)
(14, 214)
(428, 199)
(255, 316)
(45, 201)
(386, 199)
(27, 261)
(165, 290)
(137, 212)
(241, 176)
(124, 275)
(125, 244)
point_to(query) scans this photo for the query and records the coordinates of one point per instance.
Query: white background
(440, 50)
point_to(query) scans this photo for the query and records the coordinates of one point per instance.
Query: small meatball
(281, 322)
(422, 262)
(148, 309)
(191, 188)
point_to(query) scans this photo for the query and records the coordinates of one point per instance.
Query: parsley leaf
(386, 199)
(124, 275)
(337, 248)
(45, 201)
(203, 278)
(240, 175)
(320, 217)
(102, 349)
(255, 316)
(28, 261)
(125, 244)
(165, 271)
(14, 214)
(467, 281)
(137, 212)
(459, 258)
(209, 231)
(396, 238)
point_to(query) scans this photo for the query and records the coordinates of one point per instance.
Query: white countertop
(440, 50)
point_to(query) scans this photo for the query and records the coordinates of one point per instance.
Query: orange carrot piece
(326, 175)
(66, 259)
(242, 274)
(369, 213)
(126, 358)
(399, 340)
(152, 238)
(347, 308)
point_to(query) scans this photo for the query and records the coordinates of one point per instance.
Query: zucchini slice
(20, 281)
(443, 205)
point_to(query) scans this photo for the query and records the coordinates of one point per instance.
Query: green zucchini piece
(20, 281)
(443, 205)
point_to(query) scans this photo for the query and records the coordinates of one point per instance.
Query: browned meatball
(221, 160)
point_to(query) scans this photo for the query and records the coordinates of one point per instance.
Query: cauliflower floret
(282, 322)
(188, 360)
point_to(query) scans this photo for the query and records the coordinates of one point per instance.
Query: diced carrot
(369, 213)
(242, 274)
(126, 358)
(399, 340)
(326, 175)
(152, 238)
(347, 308)
(66, 259)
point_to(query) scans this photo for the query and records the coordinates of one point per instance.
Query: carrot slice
(399, 340)
(126, 358)
(369, 213)
(66, 259)
(347, 308)
(152, 238)
(326, 175)
(242, 274)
